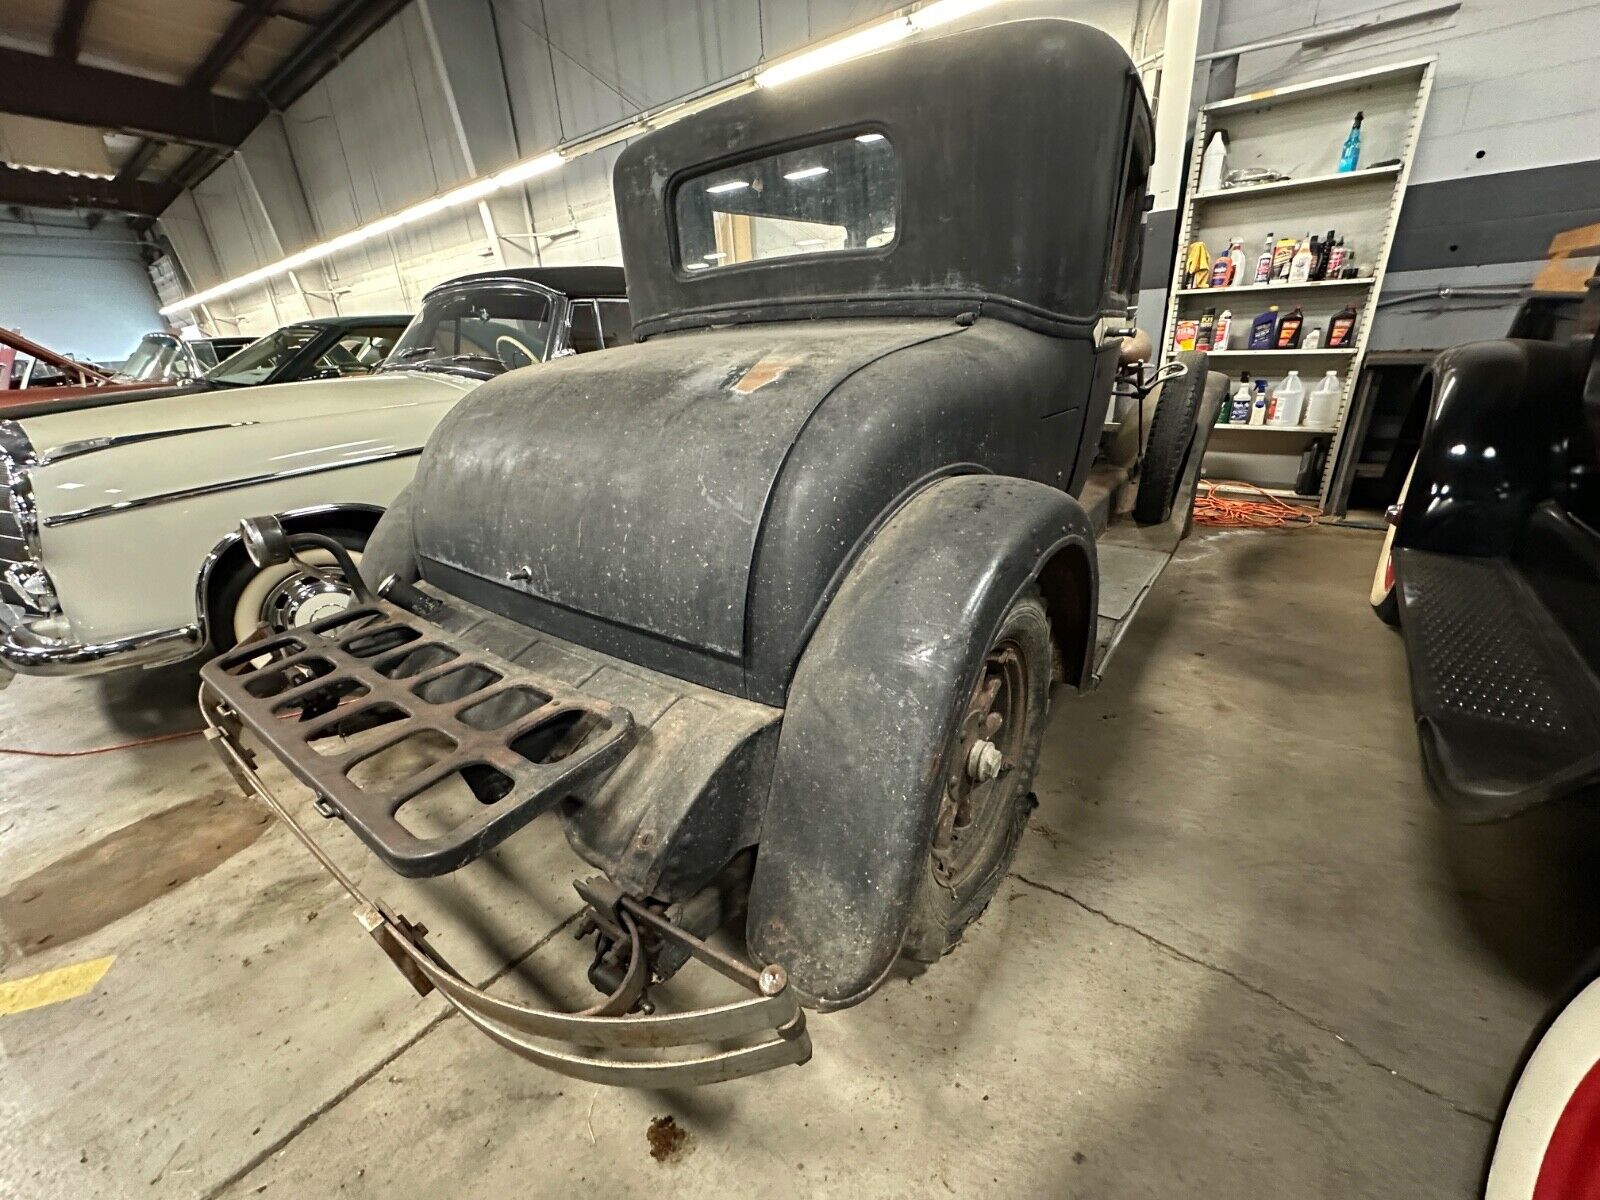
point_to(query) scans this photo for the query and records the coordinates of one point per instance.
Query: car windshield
(257, 361)
(479, 329)
(838, 196)
(155, 357)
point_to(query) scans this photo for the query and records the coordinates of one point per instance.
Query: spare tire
(1172, 439)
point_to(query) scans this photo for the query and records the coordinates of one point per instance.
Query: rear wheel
(1172, 437)
(281, 597)
(986, 781)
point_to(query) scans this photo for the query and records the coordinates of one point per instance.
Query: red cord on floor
(1269, 512)
(134, 745)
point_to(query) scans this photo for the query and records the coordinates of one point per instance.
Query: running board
(1132, 557)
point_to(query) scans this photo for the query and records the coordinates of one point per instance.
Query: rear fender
(1501, 419)
(854, 797)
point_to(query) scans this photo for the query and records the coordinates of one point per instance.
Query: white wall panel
(78, 291)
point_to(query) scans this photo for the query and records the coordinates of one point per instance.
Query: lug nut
(984, 761)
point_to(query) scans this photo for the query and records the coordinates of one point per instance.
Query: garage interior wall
(1509, 153)
(80, 291)
(452, 89)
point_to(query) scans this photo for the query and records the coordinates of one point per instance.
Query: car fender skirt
(850, 815)
(390, 551)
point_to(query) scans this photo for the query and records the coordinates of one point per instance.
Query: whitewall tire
(262, 588)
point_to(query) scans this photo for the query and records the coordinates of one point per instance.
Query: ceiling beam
(68, 39)
(33, 85)
(244, 24)
(340, 32)
(141, 158)
(35, 189)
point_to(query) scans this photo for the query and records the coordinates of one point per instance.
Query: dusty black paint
(876, 696)
(1008, 139)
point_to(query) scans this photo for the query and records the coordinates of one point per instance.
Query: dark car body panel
(968, 238)
(1497, 567)
(699, 496)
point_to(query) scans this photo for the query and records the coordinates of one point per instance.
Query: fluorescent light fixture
(736, 185)
(865, 41)
(60, 171)
(941, 12)
(467, 193)
(854, 45)
(796, 66)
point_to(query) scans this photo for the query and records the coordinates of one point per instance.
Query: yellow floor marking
(52, 987)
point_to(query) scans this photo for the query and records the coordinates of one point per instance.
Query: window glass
(616, 322)
(584, 327)
(154, 358)
(358, 352)
(478, 329)
(823, 199)
(262, 357)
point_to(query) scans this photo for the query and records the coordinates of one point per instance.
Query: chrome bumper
(769, 1019)
(28, 653)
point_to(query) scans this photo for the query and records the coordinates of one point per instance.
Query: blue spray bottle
(1350, 156)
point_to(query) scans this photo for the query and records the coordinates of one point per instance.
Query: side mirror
(265, 541)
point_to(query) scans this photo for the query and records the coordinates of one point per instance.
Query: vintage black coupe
(764, 608)
(1491, 568)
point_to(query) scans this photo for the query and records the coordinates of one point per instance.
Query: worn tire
(1172, 438)
(231, 595)
(943, 909)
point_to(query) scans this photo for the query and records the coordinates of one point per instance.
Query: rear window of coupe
(829, 198)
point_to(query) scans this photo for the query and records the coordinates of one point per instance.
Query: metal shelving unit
(1298, 130)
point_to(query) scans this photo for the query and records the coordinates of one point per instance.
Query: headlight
(33, 585)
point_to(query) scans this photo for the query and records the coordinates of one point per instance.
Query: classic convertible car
(317, 348)
(117, 527)
(159, 360)
(763, 610)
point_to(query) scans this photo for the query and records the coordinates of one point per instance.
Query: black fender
(854, 796)
(1503, 417)
(391, 549)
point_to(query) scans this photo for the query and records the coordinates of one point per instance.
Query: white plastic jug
(1288, 401)
(1214, 162)
(1322, 408)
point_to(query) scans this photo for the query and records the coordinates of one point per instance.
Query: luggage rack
(618, 1042)
(374, 707)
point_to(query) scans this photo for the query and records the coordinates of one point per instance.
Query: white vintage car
(118, 542)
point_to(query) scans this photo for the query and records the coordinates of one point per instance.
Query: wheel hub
(980, 782)
(303, 598)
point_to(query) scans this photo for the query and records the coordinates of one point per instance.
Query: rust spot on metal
(668, 1140)
(768, 369)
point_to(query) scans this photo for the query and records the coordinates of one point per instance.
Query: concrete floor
(1240, 955)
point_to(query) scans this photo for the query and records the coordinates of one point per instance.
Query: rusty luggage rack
(522, 743)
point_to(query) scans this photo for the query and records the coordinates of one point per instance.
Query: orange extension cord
(133, 745)
(1269, 512)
